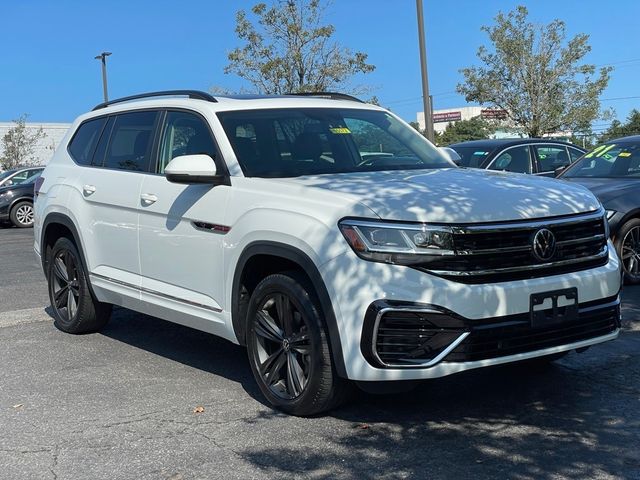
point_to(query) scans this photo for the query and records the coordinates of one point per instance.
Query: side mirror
(451, 154)
(192, 169)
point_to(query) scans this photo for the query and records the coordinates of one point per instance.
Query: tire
(22, 214)
(288, 347)
(75, 310)
(627, 243)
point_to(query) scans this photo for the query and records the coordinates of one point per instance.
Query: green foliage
(475, 128)
(619, 129)
(290, 50)
(19, 145)
(536, 75)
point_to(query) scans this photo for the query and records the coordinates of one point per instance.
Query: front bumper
(354, 285)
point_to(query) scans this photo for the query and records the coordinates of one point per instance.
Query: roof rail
(331, 95)
(166, 93)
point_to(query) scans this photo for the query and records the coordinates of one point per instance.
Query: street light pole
(426, 99)
(103, 58)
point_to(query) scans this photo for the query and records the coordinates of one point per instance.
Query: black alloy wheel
(75, 310)
(288, 347)
(628, 247)
(283, 346)
(65, 286)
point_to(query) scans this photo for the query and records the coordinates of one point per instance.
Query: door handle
(148, 198)
(88, 190)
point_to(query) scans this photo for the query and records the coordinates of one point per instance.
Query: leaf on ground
(362, 426)
(198, 409)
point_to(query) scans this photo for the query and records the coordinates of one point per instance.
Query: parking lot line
(28, 315)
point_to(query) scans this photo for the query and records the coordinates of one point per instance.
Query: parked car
(16, 201)
(612, 172)
(258, 219)
(17, 176)
(522, 155)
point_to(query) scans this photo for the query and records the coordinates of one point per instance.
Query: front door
(181, 232)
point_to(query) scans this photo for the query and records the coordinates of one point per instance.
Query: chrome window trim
(427, 364)
(156, 293)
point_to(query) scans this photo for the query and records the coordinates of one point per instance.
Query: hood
(609, 189)
(457, 195)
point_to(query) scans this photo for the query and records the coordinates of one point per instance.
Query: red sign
(447, 117)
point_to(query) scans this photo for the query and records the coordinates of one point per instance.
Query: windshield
(309, 141)
(4, 175)
(473, 157)
(612, 160)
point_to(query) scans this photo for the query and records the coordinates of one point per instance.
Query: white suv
(323, 233)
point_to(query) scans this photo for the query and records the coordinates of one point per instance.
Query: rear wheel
(75, 310)
(627, 244)
(22, 214)
(288, 347)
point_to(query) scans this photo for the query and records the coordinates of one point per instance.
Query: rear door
(110, 191)
(182, 231)
(549, 157)
(513, 159)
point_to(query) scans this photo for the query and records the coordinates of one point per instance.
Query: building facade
(443, 117)
(53, 135)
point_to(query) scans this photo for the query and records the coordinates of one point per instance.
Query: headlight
(399, 243)
(610, 214)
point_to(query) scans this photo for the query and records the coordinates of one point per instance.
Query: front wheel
(288, 347)
(627, 244)
(22, 215)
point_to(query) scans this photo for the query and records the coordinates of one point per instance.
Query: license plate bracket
(553, 307)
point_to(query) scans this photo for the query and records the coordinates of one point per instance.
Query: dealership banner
(447, 117)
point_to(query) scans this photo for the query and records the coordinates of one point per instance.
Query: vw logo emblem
(544, 245)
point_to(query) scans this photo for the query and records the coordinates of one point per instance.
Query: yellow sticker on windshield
(340, 131)
(594, 151)
(602, 152)
(624, 154)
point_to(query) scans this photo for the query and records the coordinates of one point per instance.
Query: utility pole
(426, 99)
(103, 58)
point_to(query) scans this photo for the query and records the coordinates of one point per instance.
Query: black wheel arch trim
(298, 256)
(60, 218)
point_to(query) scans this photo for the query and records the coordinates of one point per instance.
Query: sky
(48, 70)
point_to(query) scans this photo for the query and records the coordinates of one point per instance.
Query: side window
(574, 154)
(551, 157)
(184, 134)
(20, 177)
(130, 144)
(85, 139)
(516, 159)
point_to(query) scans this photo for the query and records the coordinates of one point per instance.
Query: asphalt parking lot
(120, 404)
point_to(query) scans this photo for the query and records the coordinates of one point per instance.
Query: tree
(618, 129)
(19, 145)
(289, 50)
(475, 128)
(536, 76)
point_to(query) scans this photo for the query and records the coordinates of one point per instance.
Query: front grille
(503, 251)
(514, 334)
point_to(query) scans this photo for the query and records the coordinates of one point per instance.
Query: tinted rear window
(85, 139)
(473, 157)
(130, 144)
